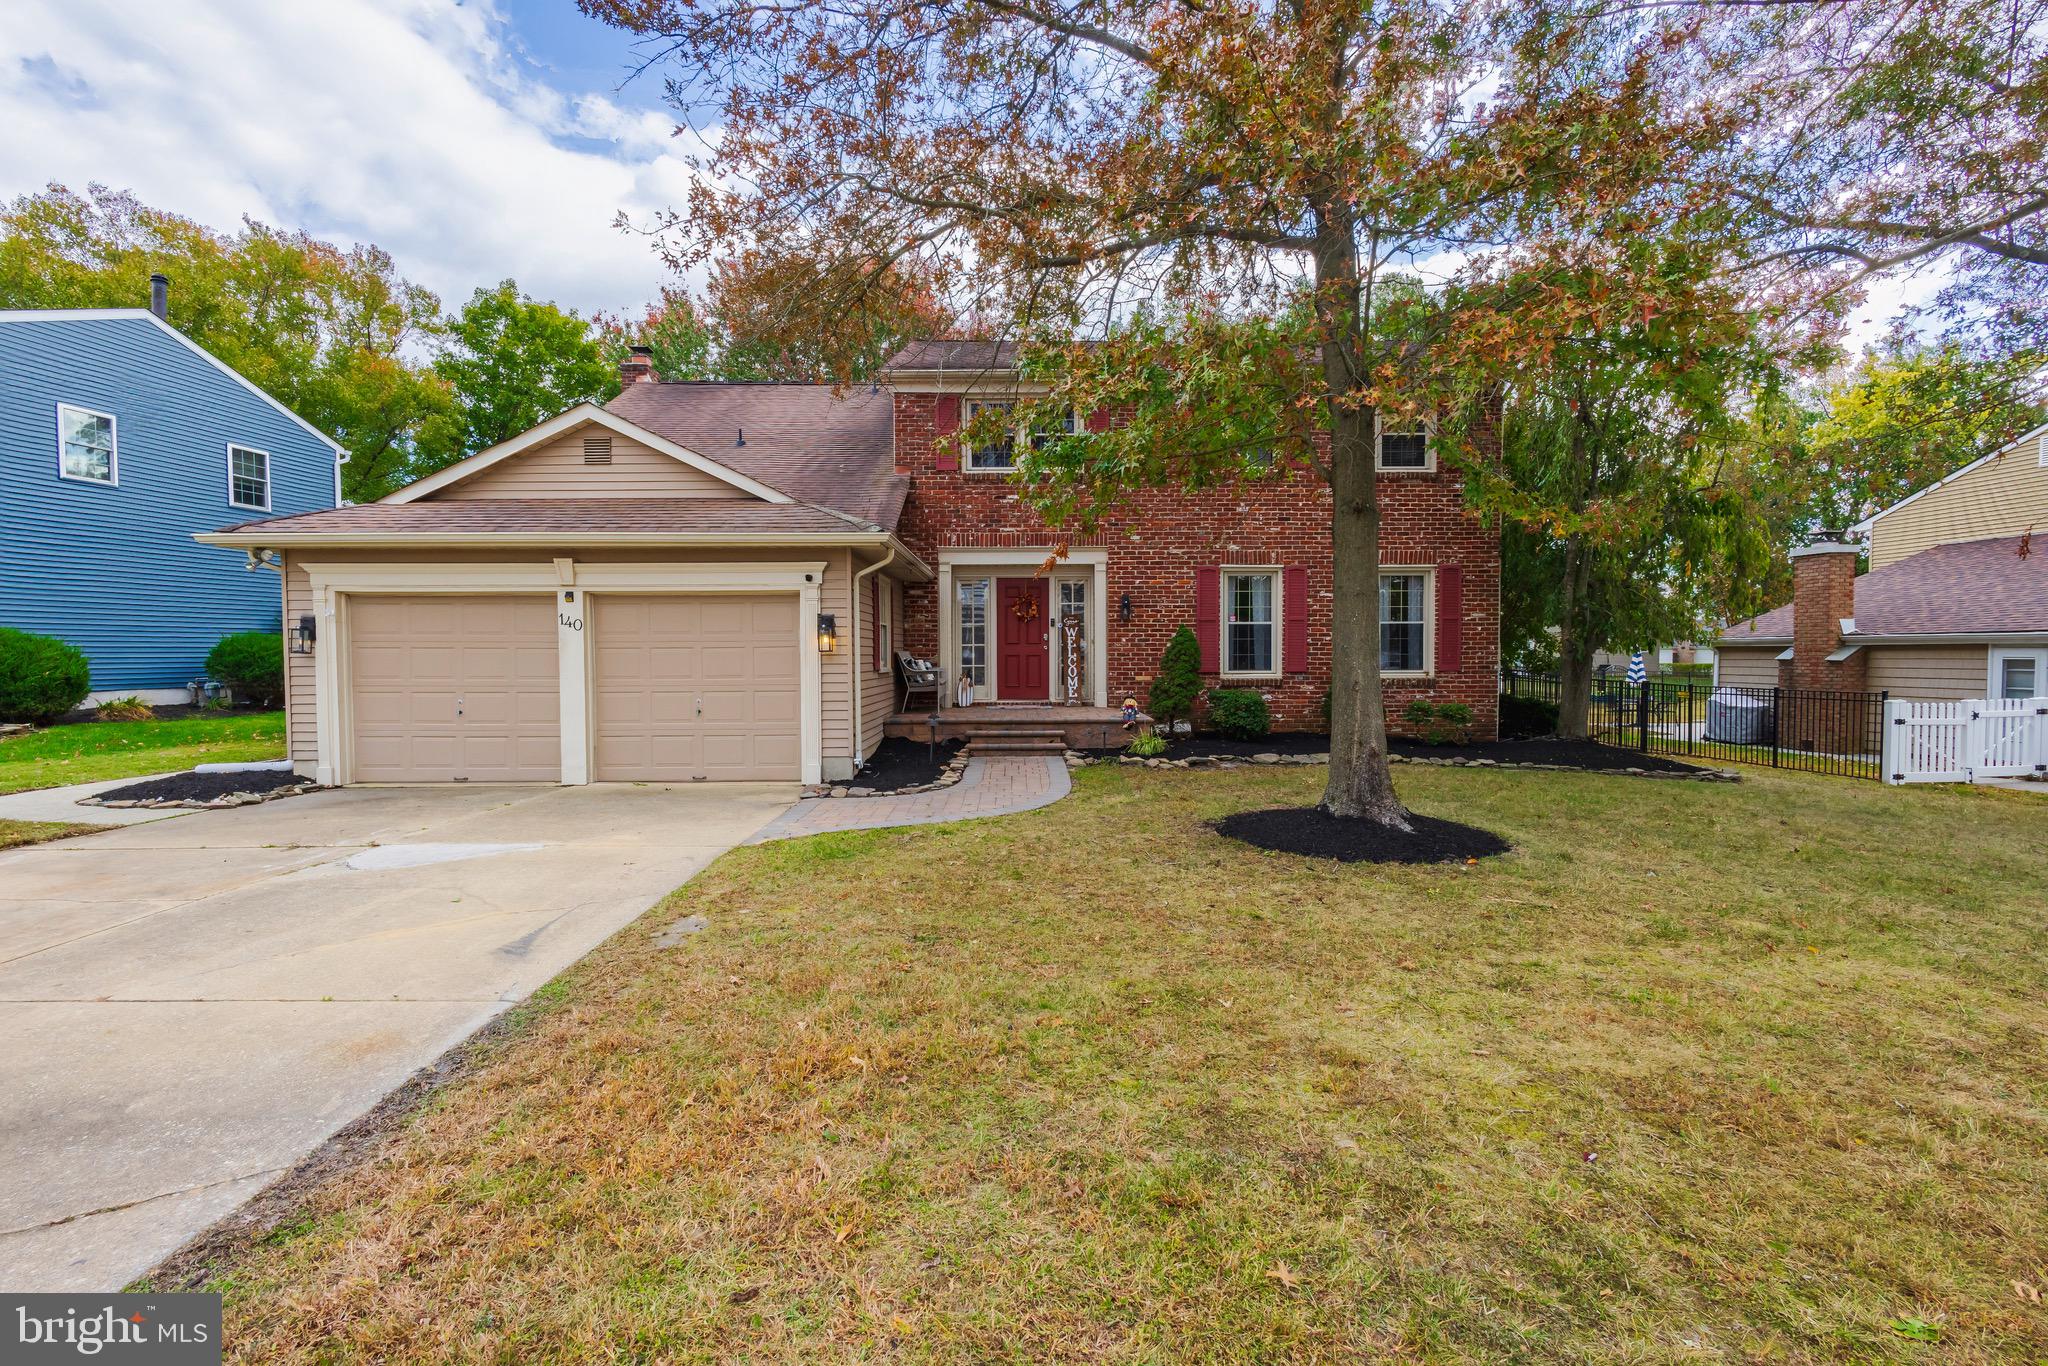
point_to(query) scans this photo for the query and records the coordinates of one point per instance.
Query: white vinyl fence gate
(1960, 742)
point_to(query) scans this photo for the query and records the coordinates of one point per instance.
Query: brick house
(705, 581)
(1248, 566)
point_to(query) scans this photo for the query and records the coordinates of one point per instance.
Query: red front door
(1021, 652)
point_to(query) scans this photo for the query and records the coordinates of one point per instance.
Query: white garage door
(695, 686)
(448, 689)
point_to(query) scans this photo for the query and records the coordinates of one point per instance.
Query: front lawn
(1699, 1072)
(89, 751)
(14, 834)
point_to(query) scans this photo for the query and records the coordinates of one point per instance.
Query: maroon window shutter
(1294, 617)
(1208, 617)
(945, 422)
(1098, 421)
(1450, 618)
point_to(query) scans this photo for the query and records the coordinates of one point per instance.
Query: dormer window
(85, 446)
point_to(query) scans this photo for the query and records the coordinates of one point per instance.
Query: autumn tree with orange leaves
(1257, 172)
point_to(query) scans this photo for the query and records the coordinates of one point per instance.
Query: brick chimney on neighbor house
(638, 366)
(1823, 611)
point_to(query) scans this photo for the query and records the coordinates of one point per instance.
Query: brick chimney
(1823, 599)
(638, 366)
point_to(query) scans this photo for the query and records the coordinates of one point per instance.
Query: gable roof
(954, 353)
(1965, 588)
(143, 315)
(581, 415)
(817, 444)
(2039, 436)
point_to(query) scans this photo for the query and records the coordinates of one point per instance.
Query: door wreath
(1025, 608)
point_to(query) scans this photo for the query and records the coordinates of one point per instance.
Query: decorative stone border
(228, 799)
(1076, 759)
(950, 775)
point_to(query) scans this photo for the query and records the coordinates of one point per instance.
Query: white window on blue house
(85, 446)
(249, 478)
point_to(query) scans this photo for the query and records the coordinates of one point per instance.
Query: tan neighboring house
(696, 583)
(1954, 606)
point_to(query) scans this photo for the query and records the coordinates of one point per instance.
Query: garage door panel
(454, 687)
(701, 666)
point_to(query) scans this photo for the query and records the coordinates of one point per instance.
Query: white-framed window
(1404, 621)
(1000, 454)
(2019, 673)
(248, 478)
(973, 599)
(885, 595)
(1251, 622)
(1405, 445)
(1069, 424)
(86, 446)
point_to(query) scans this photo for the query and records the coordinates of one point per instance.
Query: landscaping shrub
(1239, 713)
(124, 709)
(1179, 682)
(41, 677)
(1525, 718)
(1148, 746)
(251, 664)
(1439, 723)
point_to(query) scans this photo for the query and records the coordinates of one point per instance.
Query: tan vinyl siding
(1756, 668)
(836, 680)
(2002, 497)
(557, 470)
(301, 739)
(1929, 673)
(877, 686)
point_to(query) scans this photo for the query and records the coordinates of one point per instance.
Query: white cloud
(407, 123)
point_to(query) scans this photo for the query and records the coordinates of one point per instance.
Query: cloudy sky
(473, 141)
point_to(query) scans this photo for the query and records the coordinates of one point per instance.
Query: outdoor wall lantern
(1123, 608)
(828, 633)
(302, 637)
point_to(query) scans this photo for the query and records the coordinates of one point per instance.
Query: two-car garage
(680, 687)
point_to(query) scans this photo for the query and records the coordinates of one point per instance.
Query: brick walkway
(989, 787)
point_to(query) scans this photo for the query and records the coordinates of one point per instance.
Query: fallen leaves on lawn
(1283, 1273)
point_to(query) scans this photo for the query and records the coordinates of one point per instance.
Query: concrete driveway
(192, 1005)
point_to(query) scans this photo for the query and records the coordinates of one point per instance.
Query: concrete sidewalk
(61, 804)
(194, 1004)
(989, 787)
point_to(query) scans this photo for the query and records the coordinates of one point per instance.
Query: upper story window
(249, 478)
(85, 446)
(1405, 445)
(1250, 621)
(998, 454)
(1068, 424)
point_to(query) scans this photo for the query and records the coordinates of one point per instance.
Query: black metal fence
(1811, 729)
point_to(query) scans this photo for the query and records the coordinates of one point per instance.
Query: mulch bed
(169, 711)
(898, 762)
(199, 789)
(1548, 750)
(1217, 746)
(1313, 833)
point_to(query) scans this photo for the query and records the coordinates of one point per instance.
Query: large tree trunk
(1361, 784)
(1575, 642)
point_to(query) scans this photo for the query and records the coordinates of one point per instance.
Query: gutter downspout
(859, 756)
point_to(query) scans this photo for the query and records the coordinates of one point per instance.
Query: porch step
(989, 744)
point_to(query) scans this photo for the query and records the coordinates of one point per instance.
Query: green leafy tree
(511, 363)
(327, 331)
(1044, 164)
(685, 343)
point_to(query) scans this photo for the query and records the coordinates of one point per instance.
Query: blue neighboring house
(120, 438)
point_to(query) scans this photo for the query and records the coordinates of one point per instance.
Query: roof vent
(160, 296)
(597, 450)
(743, 438)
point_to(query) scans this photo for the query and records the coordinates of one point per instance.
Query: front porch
(1018, 727)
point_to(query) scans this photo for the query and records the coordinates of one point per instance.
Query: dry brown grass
(14, 834)
(1698, 1073)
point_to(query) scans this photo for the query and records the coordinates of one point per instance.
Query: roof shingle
(559, 516)
(1969, 588)
(806, 440)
